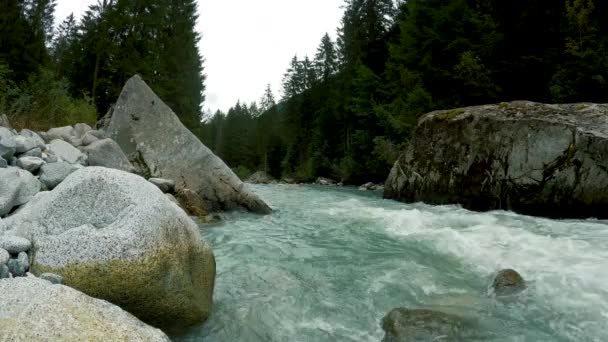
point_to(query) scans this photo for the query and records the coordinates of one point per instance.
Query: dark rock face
(406, 325)
(159, 145)
(538, 159)
(508, 282)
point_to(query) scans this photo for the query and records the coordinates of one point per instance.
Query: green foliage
(242, 172)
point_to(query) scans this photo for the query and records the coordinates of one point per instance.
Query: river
(331, 262)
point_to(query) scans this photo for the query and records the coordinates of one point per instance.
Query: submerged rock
(33, 309)
(138, 117)
(539, 159)
(508, 282)
(407, 325)
(114, 236)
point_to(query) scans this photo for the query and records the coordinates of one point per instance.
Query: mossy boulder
(33, 309)
(115, 236)
(532, 158)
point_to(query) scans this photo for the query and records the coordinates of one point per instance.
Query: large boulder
(138, 117)
(33, 309)
(115, 236)
(17, 187)
(538, 159)
(107, 153)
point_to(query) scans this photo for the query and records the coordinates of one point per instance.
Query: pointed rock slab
(33, 309)
(147, 129)
(115, 236)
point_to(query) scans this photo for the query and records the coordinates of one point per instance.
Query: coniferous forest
(345, 112)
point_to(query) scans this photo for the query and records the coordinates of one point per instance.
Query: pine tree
(267, 101)
(326, 58)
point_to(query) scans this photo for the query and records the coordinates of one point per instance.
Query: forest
(344, 113)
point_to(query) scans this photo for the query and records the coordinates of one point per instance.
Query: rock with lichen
(115, 236)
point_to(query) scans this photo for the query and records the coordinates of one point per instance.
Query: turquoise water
(330, 263)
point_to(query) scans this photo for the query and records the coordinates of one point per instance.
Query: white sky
(248, 44)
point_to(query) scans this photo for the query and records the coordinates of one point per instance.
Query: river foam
(329, 263)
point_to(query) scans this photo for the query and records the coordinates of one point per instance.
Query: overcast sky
(248, 44)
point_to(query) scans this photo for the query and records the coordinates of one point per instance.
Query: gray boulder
(14, 244)
(31, 164)
(4, 256)
(260, 177)
(88, 139)
(27, 140)
(54, 173)
(35, 152)
(17, 187)
(4, 272)
(325, 181)
(165, 185)
(66, 152)
(63, 133)
(115, 236)
(18, 267)
(107, 153)
(3, 163)
(407, 325)
(8, 146)
(80, 129)
(538, 159)
(33, 309)
(508, 282)
(138, 117)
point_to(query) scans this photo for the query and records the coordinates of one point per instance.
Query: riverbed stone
(27, 140)
(532, 158)
(4, 272)
(407, 325)
(33, 309)
(66, 152)
(260, 177)
(3, 163)
(4, 256)
(17, 187)
(80, 129)
(325, 181)
(135, 122)
(191, 202)
(107, 153)
(54, 173)
(89, 138)
(8, 146)
(31, 164)
(508, 282)
(35, 152)
(115, 236)
(14, 244)
(165, 185)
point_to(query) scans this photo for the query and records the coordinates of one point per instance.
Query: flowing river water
(330, 263)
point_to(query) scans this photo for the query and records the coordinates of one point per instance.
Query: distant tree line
(348, 112)
(53, 76)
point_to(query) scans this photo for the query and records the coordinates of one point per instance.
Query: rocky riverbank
(77, 210)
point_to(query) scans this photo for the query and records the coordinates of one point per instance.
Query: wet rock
(508, 282)
(17, 187)
(31, 164)
(165, 185)
(407, 325)
(325, 181)
(33, 309)
(14, 244)
(138, 117)
(531, 158)
(191, 202)
(54, 173)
